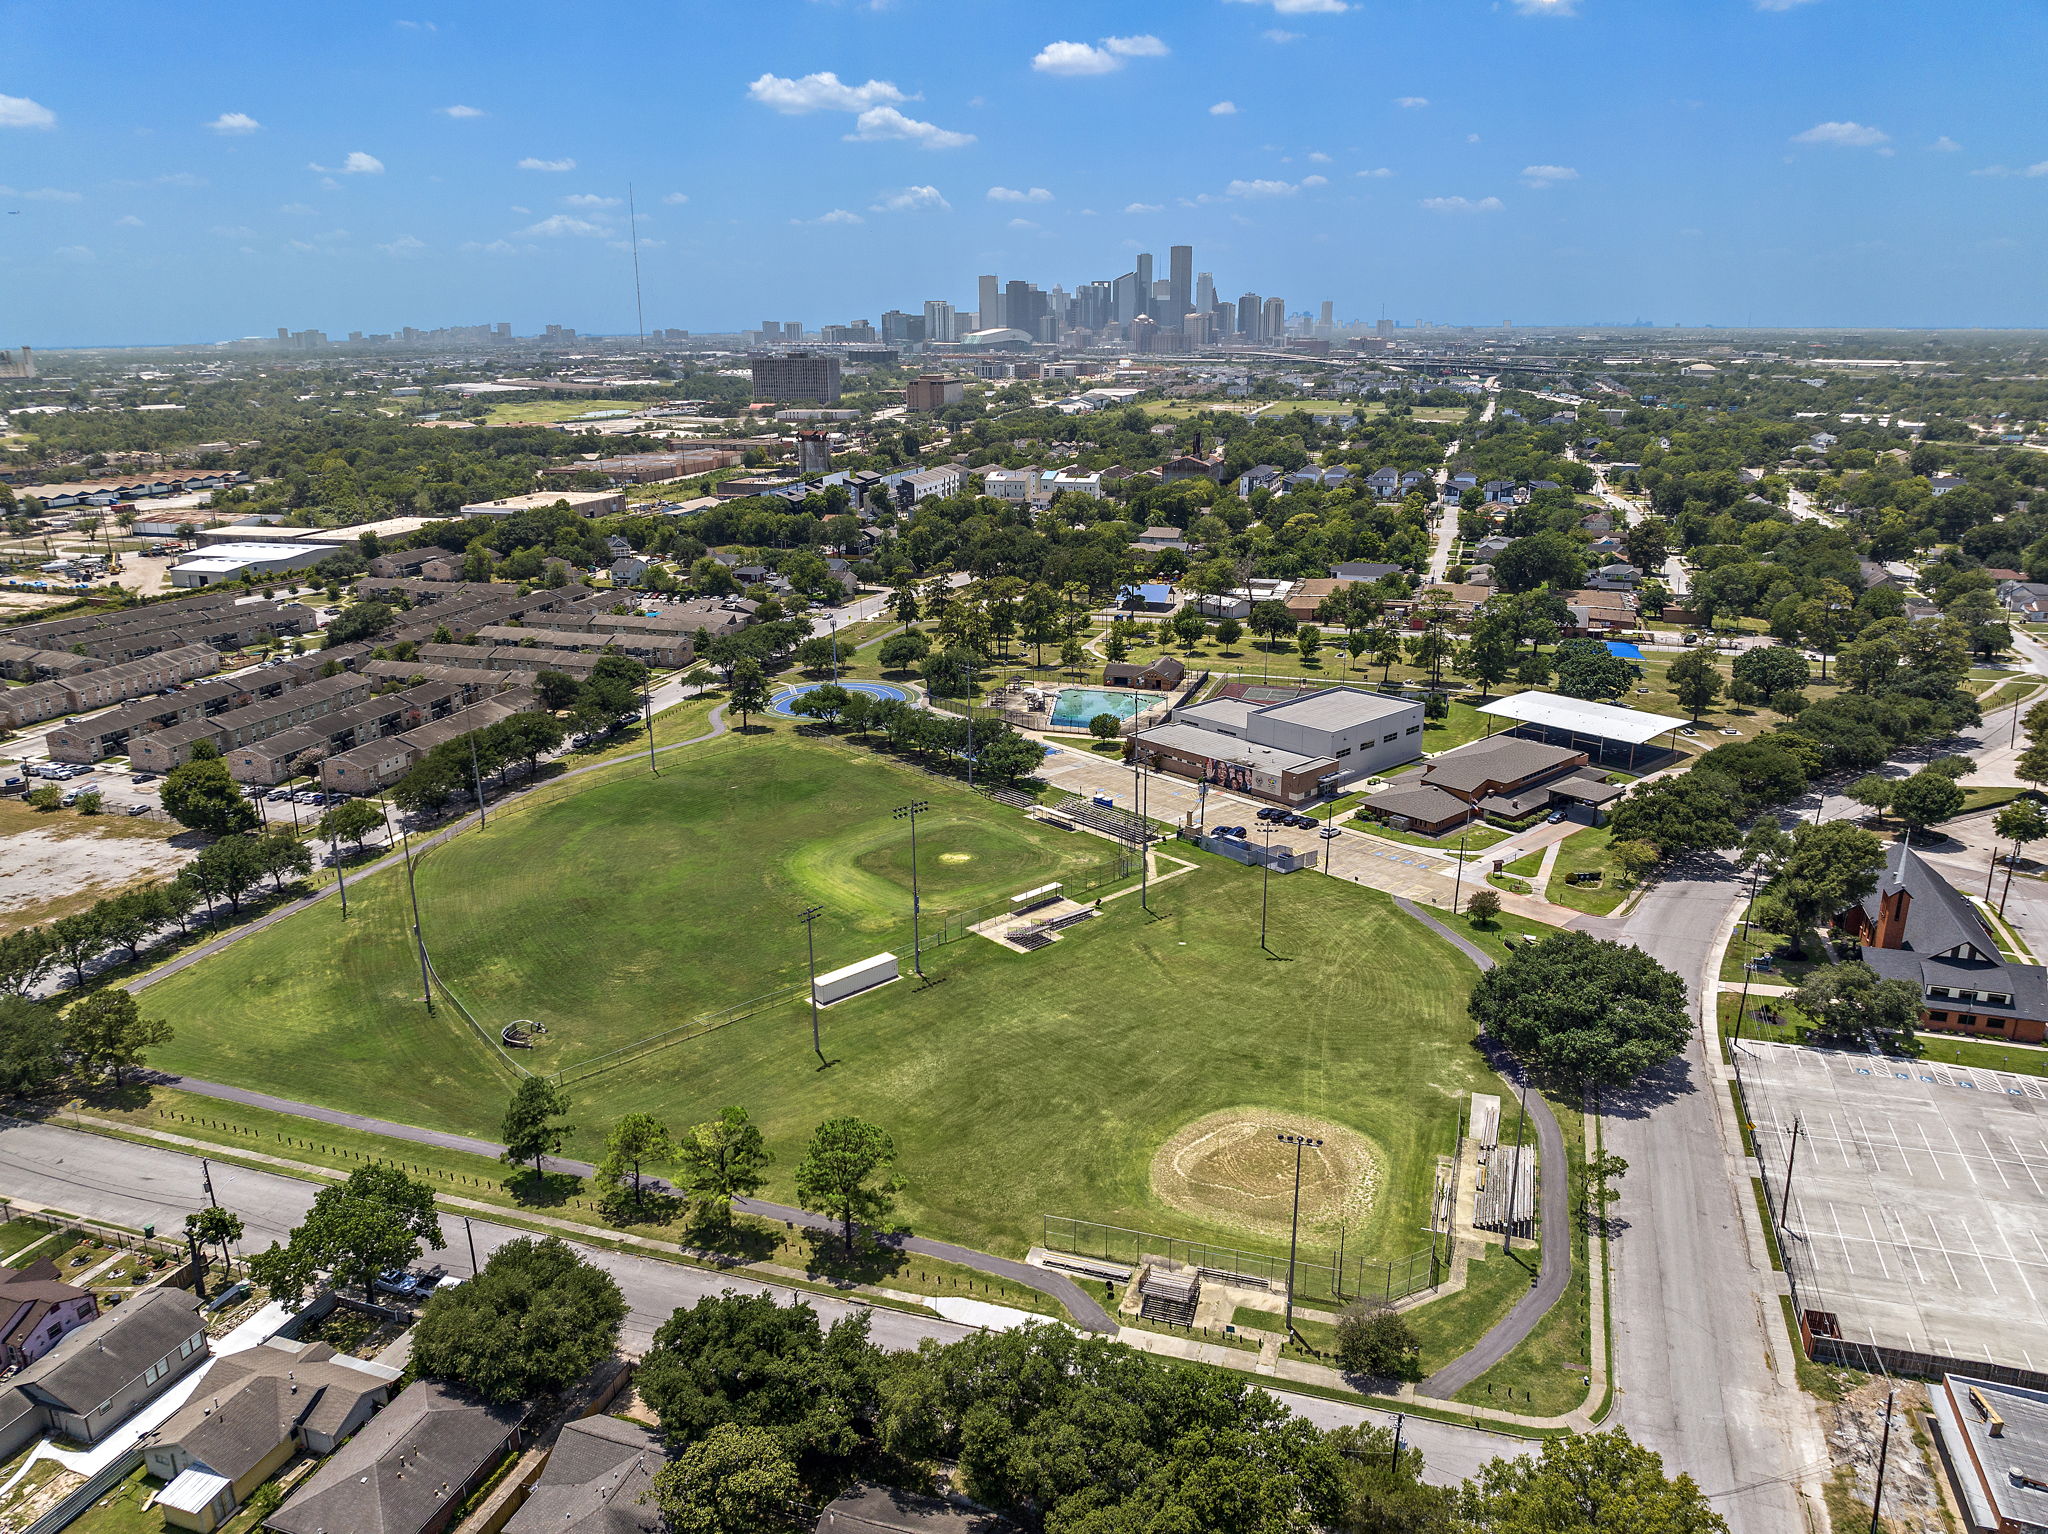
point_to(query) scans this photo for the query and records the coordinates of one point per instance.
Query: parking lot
(1918, 1214)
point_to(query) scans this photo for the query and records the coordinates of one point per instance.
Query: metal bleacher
(1121, 824)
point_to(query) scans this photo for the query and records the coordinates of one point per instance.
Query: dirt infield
(1228, 1168)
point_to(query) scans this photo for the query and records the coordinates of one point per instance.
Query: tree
(1830, 867)
(1010, 756)
(31, 1047)
(1593, 1187)
(636, 1141)
(1382, 1486)
(749, 690)
(1228, 632)
(720, 1160)
(1308, 640)
(47, 797)
(231, 867)
(106, 1031)
(282, 855)
(1189, 628)
(78, 939)
(1374, 1339)
(1590, 1483)
(214, 1226)
(1759, 675)
(350, 821)
(200, 796)
(2021, 822)
(1849, 1001)
(1692, 812)
(1874, 791)
(1490, 657)
(846, 1174)
(1484, 907)
(1584, 1010)
(24, 957)
(90, 802)
(817, 653)
(535, 1124)
(361, 620)
(1073, 653)
(1587, 669)
(747, 1361)
(1633, 860)
(737, 1480)
(1105, 727)
(1926, 798)
(1549, 558)
(1696, 682)
(825, 701)
(376, 1218)
(534, 1320)
(557, 690)
(1272, 622)
(901, 652)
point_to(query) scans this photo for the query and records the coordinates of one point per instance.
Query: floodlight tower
(910, 812)
(1300, 1144)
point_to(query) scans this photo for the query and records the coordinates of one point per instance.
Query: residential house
(100, 1373)
(1263, 476)
(1418, 482)
(258, 1409)
(1306, 596)
(1081, 481)
(1161, 675)
(923, 484)
(1384, 483)
(37, 1309)
(885, 1510)
(1154, 539)
(1351, 571)
(1189, 467)
(2025, 600)
(1498, 490)
(629, 570)
(1146, 597)
(407, 1471)
(1603, 611)
(1502, 776)
(1019, 485)
(1916, 927)
(1458, 601)
(1491, 548)
(596, 1481)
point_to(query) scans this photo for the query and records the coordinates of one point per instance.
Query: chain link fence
(1332, 1278)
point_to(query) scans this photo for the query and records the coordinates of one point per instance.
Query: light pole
(1300, 1143)
(340, 874)
(476, 776)
(1507, 1241)
(1265, 880)
(1791, 1160)
(809, 916)
(910, 812)
(1458, 878)
(1140, 834)
(647, 709)
(419, 942)
(1884, 1454)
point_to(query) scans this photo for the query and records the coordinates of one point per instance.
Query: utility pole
(419, 941)
(471, 1235)
(1265, 880)
(1515, 1174)
(1140, 836)
(206, 1177)
(1458, 878)
(910, 812)
(1791, 1160)
(1884, 1451)
(340, 874)
(809, 917)
(1300, 1143)
(1394, 1459)
(647, 709)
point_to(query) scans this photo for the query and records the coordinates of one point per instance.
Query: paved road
(1554, 1268)
(137, 1185)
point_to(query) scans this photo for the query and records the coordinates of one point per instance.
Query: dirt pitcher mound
(1229, 1169)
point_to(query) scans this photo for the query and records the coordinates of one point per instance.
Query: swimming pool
(1075, 706)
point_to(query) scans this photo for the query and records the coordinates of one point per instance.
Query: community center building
(1291, 751)
(1503, 776)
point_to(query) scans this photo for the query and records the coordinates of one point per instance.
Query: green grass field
(1015, 1085)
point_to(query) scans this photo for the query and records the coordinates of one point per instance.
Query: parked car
(278, 796)
(142, 777)
(1553, 817)
(402, 1282)
(138, 809)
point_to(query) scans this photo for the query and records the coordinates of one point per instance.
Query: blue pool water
(1624, 649)
(1075, 706)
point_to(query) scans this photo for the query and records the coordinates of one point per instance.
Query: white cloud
(298, 207)
(492, 248)
(20, 112)
(1075, 59)
(532, 163)
(523, 211)
(404, 245)
(590, 200)
(564, 224)
(50, 194)
(1780, 5)
(1022, 223)
(1144, 207)
(1411, 102)
(836, 216)
(1315, 181)
(1540, 177)
(1302, 7)
(232, 232)
(357, 164)
(73, 253)
(821, 92)
(234, 122)
(880, 125)
(1010, 194)
(1377, 173)
(1224, 109)
(1548, 7)
(676, 199)
(1142, 46)
(128, 221)
(1261, 189)
(462, 111)
(1317, 157)
(1463, 205)
(1945, 144)
(180, 178)
(645, 244)
(1280, 35)
(1847, 135)
(911, 199)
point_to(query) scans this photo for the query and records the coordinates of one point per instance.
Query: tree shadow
(826, 1259)
(542, 1190)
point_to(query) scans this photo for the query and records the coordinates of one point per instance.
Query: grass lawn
(1758, 944)
(1472, 837)
(121, 1510)
(18, 1234)
(1581, 852)
(1015, 1085)
(558, 410)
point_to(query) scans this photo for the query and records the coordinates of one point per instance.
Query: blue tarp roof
(1624, 649)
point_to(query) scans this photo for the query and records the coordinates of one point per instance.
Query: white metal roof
(1556, 712)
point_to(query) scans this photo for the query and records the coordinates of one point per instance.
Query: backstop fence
(1334, 1277)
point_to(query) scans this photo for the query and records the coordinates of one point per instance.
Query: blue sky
(195, 173)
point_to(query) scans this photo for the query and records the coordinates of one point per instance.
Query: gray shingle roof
(100, 1358)
(593, 1482)
(252, 1401)
(1499, 759)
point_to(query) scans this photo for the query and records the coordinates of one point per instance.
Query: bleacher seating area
(1121, 824)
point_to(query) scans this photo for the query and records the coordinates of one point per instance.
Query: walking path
(1554, 1270)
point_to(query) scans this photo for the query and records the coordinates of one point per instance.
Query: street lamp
(910, 812)
(1141, 834)
(1265, 879)
(419, 941)
(1300, 1143)
(809, 917)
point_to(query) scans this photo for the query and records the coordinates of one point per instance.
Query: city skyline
(1766, 162)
